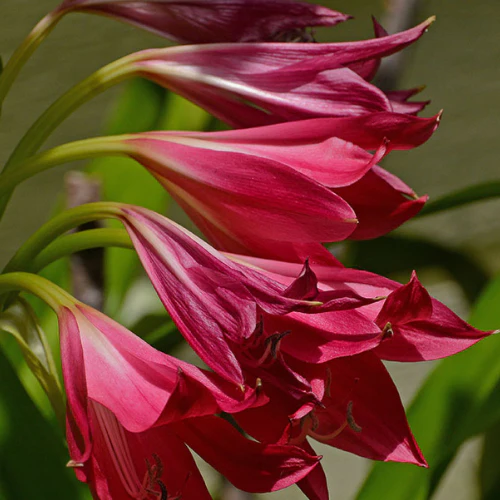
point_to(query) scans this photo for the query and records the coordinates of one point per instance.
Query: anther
(74, 464)
(274, 342)
(387, 331)
(328, 383)
(350, 419)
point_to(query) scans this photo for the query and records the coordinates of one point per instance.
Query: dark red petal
(249, 465)
(314, 485)
(410, 302)
(378, 428)
(382, 202)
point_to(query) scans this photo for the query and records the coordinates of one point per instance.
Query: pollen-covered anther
(73, 464)
(387, 331)
(272, 345)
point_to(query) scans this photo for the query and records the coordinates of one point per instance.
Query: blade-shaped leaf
(458, 400)
(20, 321)
(159, 330)
(489, 476)
(33, 456)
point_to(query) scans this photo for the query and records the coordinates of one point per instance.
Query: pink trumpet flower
(274, 191)
(234, 317)
(315, 369)
(262, 83)
(127, 431)
(212, 21)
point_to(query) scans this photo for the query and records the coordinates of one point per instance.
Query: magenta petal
(208, 21)
(249, 465)
(408, 303)
(226, 187)
(77, 426)
(422, 328)
(327, 159)
(382, 202)
(367, 132)
(141, 384)
(120, 460)
(314, 485)
(213, 301)
(257, 84)
(321, 337)
(377, 427)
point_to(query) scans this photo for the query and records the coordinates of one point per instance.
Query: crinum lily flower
(209, 21)
(273, 191)
(262, 83)
(132, 410)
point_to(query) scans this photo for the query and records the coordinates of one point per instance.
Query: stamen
(328, 384)
(275, 341)
(350, 419)
(323, 438)
(74, 464)
(306, 425)
(387, 331)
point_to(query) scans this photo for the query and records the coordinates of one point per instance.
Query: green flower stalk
(25, 50)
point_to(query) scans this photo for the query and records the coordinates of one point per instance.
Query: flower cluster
(293, 341)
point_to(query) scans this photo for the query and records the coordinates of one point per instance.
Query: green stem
(50, 293)
(463, 197)
(73, 151)
(93, 85)
(77, 242)
(25, 50)
(69, 219)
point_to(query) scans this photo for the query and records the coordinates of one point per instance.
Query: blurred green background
(455, 253)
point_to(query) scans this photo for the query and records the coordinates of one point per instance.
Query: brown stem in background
(87, 267)
(400, 15)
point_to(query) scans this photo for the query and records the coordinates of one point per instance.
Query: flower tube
(257, 84)
(211, 21)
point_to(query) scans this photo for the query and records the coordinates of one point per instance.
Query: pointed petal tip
(430, 20)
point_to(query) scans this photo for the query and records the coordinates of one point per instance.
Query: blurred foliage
(33, 456)
(402, 254)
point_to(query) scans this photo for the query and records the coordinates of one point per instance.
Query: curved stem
(51, 294)
(77, 242)
(93, 85)
(73, 151)
(472, 194)
(57, 226)
(25, 50)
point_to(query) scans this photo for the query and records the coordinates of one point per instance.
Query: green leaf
(140, 108)
(471, 194)
(458, 400)
(181, 114)
(489, 476)
(33, 456)
(159, 330)
(396, 254)
(20, 321)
